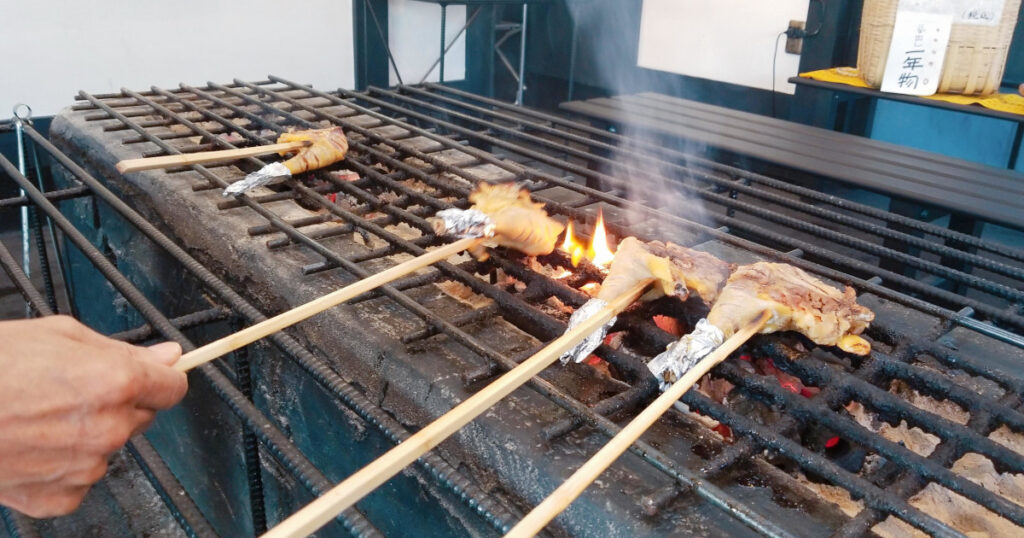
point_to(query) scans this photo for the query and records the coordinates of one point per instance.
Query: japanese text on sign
(975, 12)
(916, 53)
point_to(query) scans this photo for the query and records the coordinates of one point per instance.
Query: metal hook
(26, 117)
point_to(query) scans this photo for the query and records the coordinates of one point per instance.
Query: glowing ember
(564, 274)
(598, 252)
(669, 325)
(590, 288)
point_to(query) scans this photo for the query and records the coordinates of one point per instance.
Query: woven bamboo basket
(975, 58)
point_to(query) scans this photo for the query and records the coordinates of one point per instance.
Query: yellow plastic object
(1003, 102)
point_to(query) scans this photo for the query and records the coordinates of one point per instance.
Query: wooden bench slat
(761, 145)
(992, 194)
(883, 161)
(924, 160)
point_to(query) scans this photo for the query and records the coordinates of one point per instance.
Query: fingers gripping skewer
(265, 328)
(205, 157)
(555, 503)
(344, 495)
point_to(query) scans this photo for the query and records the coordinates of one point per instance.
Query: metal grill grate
(448, 140)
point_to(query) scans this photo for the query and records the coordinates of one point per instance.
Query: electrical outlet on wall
(794, 36)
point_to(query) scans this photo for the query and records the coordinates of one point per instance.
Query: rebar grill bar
(707, 491)
(180, 504)
(274, 440)
(174, 496)
(734, 204)
(249, 110)
(56, 196)
(611, 141)
(722, 234)
(451, 330)
(439, 470)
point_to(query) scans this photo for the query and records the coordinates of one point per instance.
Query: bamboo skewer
(267, 327)
(555, 503)
(205, 157)
(355, 487)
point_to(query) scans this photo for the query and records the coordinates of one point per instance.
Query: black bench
(964, 188)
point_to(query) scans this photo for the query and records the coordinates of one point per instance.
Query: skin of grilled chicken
(798, 301)
(519, 222)
(327, 147)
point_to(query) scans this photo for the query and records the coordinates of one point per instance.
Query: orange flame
(572, 245)
(598, 252)
(570, 238)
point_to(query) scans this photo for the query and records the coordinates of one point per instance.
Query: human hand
(70, 397)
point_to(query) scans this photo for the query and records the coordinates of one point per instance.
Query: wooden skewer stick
(379, 471)
(555, 503)
(205, 157)
(267, 327)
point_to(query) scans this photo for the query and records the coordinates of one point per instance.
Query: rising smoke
(646, 170)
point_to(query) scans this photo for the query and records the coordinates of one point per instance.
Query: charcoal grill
(320, 403)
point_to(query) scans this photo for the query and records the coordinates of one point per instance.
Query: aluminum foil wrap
(587, 346)
(258, 178)
(465, 223)
(682, 355)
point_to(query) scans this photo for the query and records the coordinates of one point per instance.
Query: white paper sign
(918, 48)
(980, 12)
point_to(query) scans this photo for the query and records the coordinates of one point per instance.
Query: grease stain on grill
(754, 480)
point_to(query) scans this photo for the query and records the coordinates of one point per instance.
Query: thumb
(166, 353)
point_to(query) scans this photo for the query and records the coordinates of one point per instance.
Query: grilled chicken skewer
(323, 147)
(555, 503)
(798, 302)
(676, 270)
(204, 157)
(517, 221)
(354, 488)
(503, 215)
(757, 298)
(632, 271)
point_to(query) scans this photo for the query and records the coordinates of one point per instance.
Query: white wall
(414, 36)
(726, 40)
(50, 49)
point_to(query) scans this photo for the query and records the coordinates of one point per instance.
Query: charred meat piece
(327, 146)
(798, 302)
(702, 272)
(676, 271)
